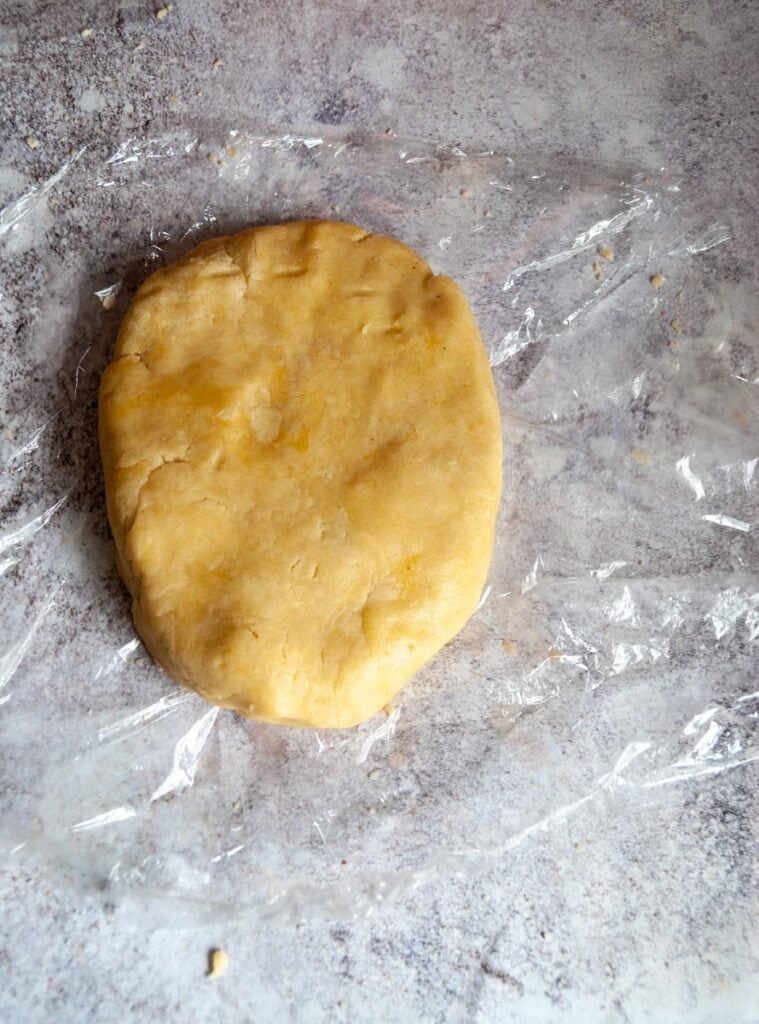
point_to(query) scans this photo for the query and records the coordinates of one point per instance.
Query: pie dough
(302, 455)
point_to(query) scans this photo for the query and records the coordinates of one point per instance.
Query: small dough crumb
(554, 653)
(218, 961)
(509, 647)
(598, 271)
(641, 457)
(231, 151)
(675, 325)
(218, 63)
(86, 33)
(465, 193)
(162, 13)
(33, 142)
(108, 301)
(605, 253)
(674, 345)
(657, 280)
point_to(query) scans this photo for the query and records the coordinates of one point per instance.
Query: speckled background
(647, 917)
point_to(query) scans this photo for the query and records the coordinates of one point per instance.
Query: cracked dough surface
(302, 456)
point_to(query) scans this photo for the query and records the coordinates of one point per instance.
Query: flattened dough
(302, 456)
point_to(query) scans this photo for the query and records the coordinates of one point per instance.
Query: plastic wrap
(614, 646)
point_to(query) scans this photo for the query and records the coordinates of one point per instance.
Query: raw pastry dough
(302, 457)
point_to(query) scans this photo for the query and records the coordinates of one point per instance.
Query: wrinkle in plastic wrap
(614, 648)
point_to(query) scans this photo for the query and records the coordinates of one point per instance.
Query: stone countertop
(649, 921)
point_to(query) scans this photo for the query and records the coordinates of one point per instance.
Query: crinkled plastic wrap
(614, 646)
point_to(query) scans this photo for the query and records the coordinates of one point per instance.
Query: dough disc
(302, 457)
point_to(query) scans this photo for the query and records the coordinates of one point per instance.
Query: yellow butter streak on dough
(302, 457)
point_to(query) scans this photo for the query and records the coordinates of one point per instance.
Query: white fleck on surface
(8, 40)
(92, 101)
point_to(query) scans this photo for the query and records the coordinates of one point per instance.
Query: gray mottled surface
(641, 905)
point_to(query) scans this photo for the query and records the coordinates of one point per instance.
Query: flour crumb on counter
(598, 271)
(657, 280)
(605, 253)
(218, 961)
(32, 142)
